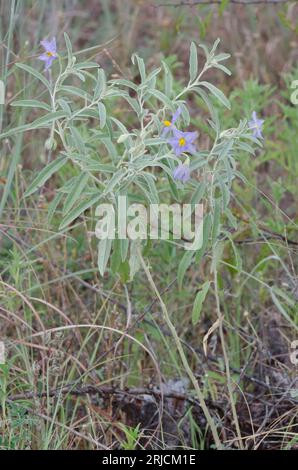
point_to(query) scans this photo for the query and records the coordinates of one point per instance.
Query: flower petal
(191, 136)
(176, 115)
(43, 57)
(191, 148)
(165, 131)
(49, 46)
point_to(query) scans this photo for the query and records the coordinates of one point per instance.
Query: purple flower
(170, 124)
(182, 172)
(256, 125)
(50, 53)
(183, 141)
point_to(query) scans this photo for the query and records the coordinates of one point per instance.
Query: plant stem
(226, 360)
(182, 355)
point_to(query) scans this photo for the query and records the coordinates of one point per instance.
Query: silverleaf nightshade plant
(108, 153)
(139, 154)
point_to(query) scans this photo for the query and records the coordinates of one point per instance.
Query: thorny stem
(182, 355)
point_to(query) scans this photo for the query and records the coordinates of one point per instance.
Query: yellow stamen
(50, 54)
(167, 123)
(182, 142)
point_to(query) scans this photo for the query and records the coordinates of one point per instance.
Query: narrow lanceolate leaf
(101, 84)
(104, 250)
(75, 192)
(36, 74)
(217, 93)
(31, 104)
(69, 49)
(198, 303)
(78, 210)
(162, 97)
(43, 121)
(79, 142)
(216, 220)
(102, 115)
(183, 266)
(168, 80)
(53, 206)
(141, 65)
(45, 174)
(193, 62)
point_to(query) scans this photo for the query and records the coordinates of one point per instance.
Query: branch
(139, 393)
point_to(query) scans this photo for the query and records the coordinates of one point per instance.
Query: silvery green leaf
(185, 113)
(217, 254)
(134, 259)
(102, 115)
(141, 66)
(147, 186)
(45, 174)
(65, 106)
(101, 85)
(238, 259)
(183, 266)
(193, 62)
(128, 142)
(86, 113)
(86, 65)
(223, 68)
(93, 165)
(246, 147)
(36, 74)
(168, 80)
(72, 90)
(206, 100)
(198, 303)
(116, 178)
(110, 147)
(124, 245)
(153, 142)
(31, 104)
(198, 194)
(196, 163)
(225, 192)
(79, 142)
(214, 47)
(38, 123)
(133, 104)
(150, 82)
(104, 250)
(79, 75)
(69, 50)
(78, 210)
(217, 93)
(202, 46)
(53, 205)
(222, 56)
(161, 165)
(173, 187)
(163, 98)
(75, 193)
(124, 82)
(115, 257)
